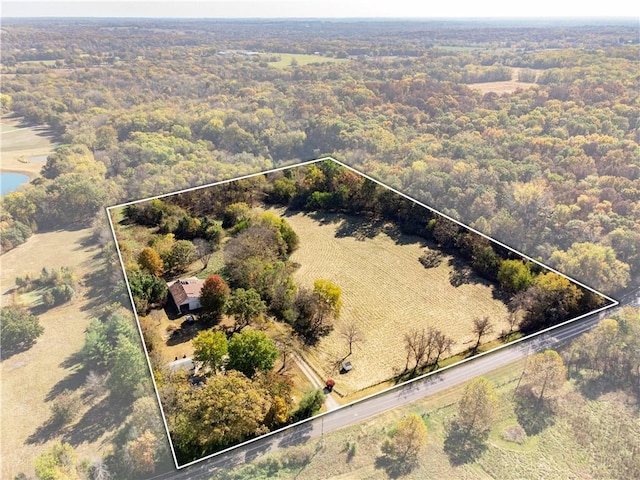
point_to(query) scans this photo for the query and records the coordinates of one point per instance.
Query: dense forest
(142, 108)
(551, 169)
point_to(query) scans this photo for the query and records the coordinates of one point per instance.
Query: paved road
(391, 399)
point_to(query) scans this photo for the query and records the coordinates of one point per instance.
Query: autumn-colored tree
(230, 406)
(595, 264)
(478, 407)
(468, 432)
(150, 261)
(210, 348)
(214, 295)
(545, 373)
(408, 440)
(551, 299)
(316, 309)
(59, 462)
(141, 453)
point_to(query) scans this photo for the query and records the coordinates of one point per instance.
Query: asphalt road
(390, 399)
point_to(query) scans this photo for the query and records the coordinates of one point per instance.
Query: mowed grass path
(386, 292)
(32, 379)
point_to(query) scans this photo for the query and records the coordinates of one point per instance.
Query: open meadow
(31, 380)
(386, 292)
(23, 149)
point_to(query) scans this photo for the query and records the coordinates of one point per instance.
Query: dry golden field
(508, 86)
(386, 292)
(32, 379)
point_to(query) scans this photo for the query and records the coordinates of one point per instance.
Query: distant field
(386, 292)
(303, 59)
(43, 62)
(32, 379)
(508, 86)
(18, 144)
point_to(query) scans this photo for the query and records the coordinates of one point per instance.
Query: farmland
(386, 292)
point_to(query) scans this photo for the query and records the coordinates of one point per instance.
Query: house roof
(184, 288)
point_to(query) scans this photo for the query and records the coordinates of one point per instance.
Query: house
(185, 293)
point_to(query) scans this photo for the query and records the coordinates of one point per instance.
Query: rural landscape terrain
(366, 287)
(525, 131)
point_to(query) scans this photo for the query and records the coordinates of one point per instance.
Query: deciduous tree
(481, 326)
(209, 348)
(545, 373)
(251, 351)
(408, 440)
(214, 295)
(150, 261)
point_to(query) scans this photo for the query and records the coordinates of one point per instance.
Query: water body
(9, 182)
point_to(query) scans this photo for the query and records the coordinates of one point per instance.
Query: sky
(321, 8)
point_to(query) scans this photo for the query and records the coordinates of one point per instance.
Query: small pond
(9, 182)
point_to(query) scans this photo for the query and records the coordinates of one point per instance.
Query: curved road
(393, 398)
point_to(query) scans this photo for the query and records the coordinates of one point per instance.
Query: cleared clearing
(303, 59)
(19, 145)
(32, 379)
(508, 86)
(386, 292)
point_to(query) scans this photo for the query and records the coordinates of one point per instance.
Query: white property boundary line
(309, 162)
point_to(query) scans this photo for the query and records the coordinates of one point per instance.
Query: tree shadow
(593, 388)
(296, 436)
(360, 228)
(395, 467)
(71, 382)
(463, 446)
(105, 416)
(187, 332)
(533, 415)
(46, 432)
(461, 273)
(9, 351)
(103, 289)
(256, 450)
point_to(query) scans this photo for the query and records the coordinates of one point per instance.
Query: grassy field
(20, 144)
(508, 86)
(303, 59)
(386, 292)
(31, 380)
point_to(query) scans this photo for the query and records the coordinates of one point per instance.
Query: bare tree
(416, 344)
(517, 305)
(204, 250)
(441, 344)
(352, 335)
(285, 344)
(481, 327)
